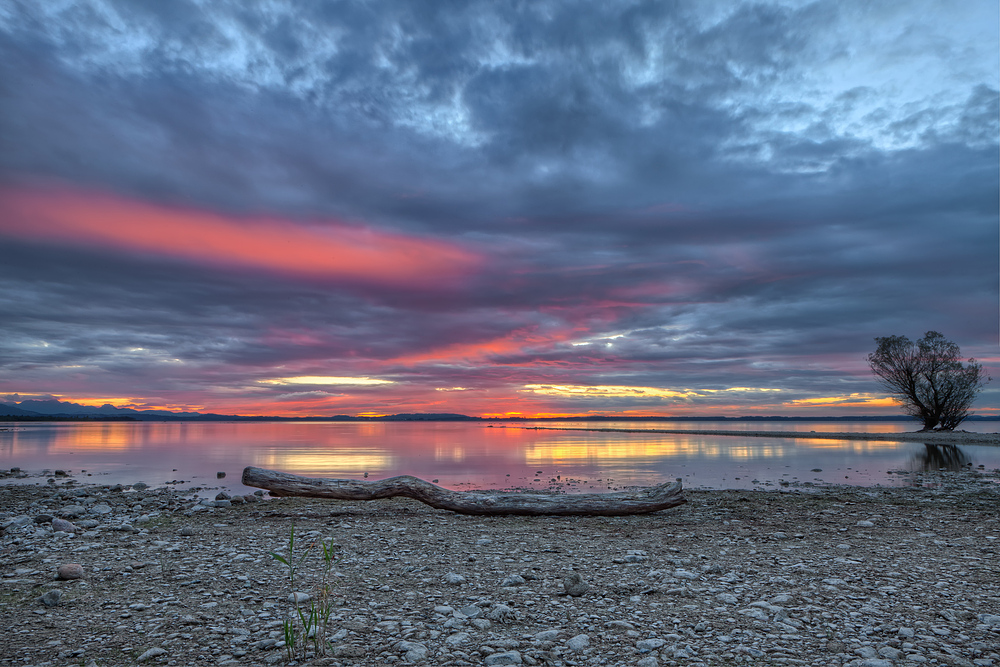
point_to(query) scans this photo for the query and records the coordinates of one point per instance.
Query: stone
(100, 508)
(992, 620)
(17, 522)
(72, 511)
(454, 579)
(647, 645)
(220, 475)
(574, 585)
(890, 653)
(470, 611)
(298, 597)
(152, 653)
(64, 526)
(501, 613)
(416, 653)
(578, 643)
(512, 581)
(186, 531)
(51, 598)
(727, 598)
(222, 495)
(547, 635)
(457, 638)
(68, 571)
(505, 658)
(648, 661)
(44, 518)
(140, 486)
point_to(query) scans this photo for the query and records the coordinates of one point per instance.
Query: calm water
(474, 455)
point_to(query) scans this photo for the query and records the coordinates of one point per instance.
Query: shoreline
(845, 576)
(930, 438)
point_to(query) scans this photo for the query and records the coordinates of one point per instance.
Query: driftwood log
(648, 500)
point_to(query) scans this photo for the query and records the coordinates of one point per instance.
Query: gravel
(834, 576)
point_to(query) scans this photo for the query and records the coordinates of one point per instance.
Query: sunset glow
(303, 210)
(322, 249)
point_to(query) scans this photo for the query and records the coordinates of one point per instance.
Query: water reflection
(941, 457)
(463, 454)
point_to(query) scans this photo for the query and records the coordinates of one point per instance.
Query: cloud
(322, 249)
(327, 380)
(492, 196)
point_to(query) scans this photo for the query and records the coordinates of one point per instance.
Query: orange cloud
(324, 249)
(861, 400)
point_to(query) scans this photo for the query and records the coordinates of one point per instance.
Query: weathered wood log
(644, 501)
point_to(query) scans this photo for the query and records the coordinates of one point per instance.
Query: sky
(686, 207)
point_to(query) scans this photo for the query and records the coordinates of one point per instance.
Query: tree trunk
(648, 500)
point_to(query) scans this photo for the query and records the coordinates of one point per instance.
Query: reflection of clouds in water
(938, 457)
(350, 461)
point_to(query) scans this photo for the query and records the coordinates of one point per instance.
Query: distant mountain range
(39, 410)
(42, 410)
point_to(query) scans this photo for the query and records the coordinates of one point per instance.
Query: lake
(463, 455)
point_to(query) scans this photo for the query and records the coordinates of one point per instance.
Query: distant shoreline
(946, 438)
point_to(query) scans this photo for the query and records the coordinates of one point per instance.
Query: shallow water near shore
(475, 455)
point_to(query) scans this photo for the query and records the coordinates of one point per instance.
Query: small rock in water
(140, 486)
(220, 475)
(51, 598)
(68, 571)
(222, 495)
(574, 584)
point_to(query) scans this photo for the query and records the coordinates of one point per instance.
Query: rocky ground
(840, 575)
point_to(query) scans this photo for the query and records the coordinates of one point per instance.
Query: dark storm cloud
(719, 186)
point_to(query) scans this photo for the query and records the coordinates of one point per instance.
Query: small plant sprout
(314, 618)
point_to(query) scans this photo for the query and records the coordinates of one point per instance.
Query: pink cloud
(328, 249)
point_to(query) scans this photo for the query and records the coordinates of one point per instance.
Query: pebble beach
(834, 575)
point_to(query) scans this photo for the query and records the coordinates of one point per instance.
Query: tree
(928, 378)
